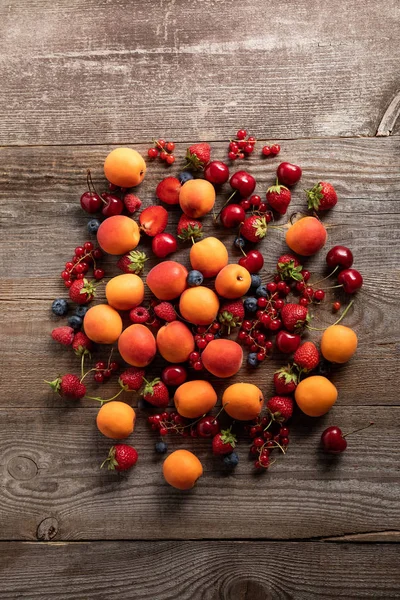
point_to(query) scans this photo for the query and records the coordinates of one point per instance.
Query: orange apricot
(233, 281)
(197, 197)
(102, 324)
(194, 398)
(116, 420)
(315, 395)
(243, 401)
(137, 345)
(222, 358)
(175, 342)
(125, 167)
(208, 256)
(306, 236)
(118, 235)
(199, 305)
(124, 292)
(181, 469)
(167, 280)
(338, 343)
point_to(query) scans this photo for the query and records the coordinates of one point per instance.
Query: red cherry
(287, 342)
(351, 280)
(216, 172)
(163, 244)
(288, 174)
(339, 256)
(113, 206)
(174, 375)
(253, 262)
(333, 441)
(207, 427)
(232, 215)
(243, 182)
(91, 202)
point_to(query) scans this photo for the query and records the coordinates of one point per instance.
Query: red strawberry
(63, 335)
(289, 267)
(132, 379)
(285, 381)
(132, 262)
(121, 457)
(231, 314)
(153, 220)
(322, 196)
(198, 156)
(69, 386)
(82, 291)
(281, 408)
(82, 344)
(254, 228)
(165, 311)
(168, 190)
(189, 229)
(156, 392)
(307, 357)
(279, 197)
(224, 442)
(294, 316)
(132, 203)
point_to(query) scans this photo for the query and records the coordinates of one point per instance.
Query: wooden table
(79, 78)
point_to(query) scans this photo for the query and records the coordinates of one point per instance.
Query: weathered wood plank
(52, 488)
(95, 72)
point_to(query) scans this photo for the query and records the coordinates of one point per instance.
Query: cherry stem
(359, 429)
(90, 184)
(223, 206)
(327, 277)
(344, 313)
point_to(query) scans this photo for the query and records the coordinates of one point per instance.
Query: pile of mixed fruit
(190, 317)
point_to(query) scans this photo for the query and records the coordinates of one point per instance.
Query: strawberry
(168, 190)
(189, 229)
(281, 408)
(231, 314)
(322, 196)
(121, 457)
(279, 197)
(81, 344)
(306, 357)
(132, 379)
(140, 314)
(132, 262)
(254, 228)
(63, 335)
(224, 442)
(289, 267)
(153, 220)
(156, 392)
(68, 386)
(294, 316)
(198, 156)
(132, 203)
(165, 311)
(285, 381)
(82, 291)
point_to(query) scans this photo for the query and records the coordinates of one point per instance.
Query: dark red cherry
(339, 256)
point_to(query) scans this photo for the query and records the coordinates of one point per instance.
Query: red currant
(266, 150)
(232, 155)
(88, 246)
(272, 287)
(98, 273)
(234, 147)
(170, 159)
(68, 283)
(319, 295)
(65, 275)
(79, 251)
(97, 253)
(336, 306)
(304, 301)
(248, 148)
(262, 302)
(255, 200)
(245, 204)
(306, 274)
(209, 337)
(198, 365)
(152, 152)
(275, 149)
(114, 366)
(161, 143)
(241, 134)
(275, 324)
(170, 146)
(98, 377)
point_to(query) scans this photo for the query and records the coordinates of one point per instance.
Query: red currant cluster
(256, 205)
(171, 422)
(103, 371)
(203, 336)
(267, 435)
(163, 149)
(252, 332)
(84, 257)
(271, 150)
(242, 146)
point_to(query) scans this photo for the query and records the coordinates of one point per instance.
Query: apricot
(118, 235)
(306, 236)
(195, 398)
(181, 469)
(125, 167)
(222, 358)
(208, 256)
(116, 420)
(137, 345)
(233, 281)
(124, 292)
(197, 198)
(338, 343)
(315, 395)
(243, 401)
(102, 324)
(199, 305)
(175, 342)
(167, 280)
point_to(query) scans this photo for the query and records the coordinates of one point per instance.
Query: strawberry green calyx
(227, 437)
(55, 385)
(314, 196)
(88, 288)
(277, 188)
(137, 260)
(287, 375)
(110, 461)
(229, 320)
(261, 227)
(191, 232)
(149, 387)
(289, 270)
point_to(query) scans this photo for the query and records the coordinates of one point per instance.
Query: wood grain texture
(205, 570)
(97, 72)
(50, 472)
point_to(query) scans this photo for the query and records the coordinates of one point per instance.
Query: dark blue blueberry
(93, 225)
(324, 368)
(231, 460)
(217, 335)
(60, 307)
(161, 447)
(194, 278)
(239, 242)
(252, 360)
(250, 305)
(262, 292)
(75, 322)
(255, 282)
(185, 176)
(81, 311)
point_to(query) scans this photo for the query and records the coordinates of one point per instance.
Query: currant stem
(87, 373)
(327, 277)
(82, 366)
(107, 399)
(359, 429)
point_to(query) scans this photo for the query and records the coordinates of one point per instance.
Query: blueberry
(252, 359)
(194, 278)
(93, 225)
(81, 311)
(217, 335)
(60, 307)
(262, 292)
(161, 447)
(231, 460)
(185, 176)
(75, 322)
(324, 368)
(250, 305)
(255, 282)
(239, 242)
